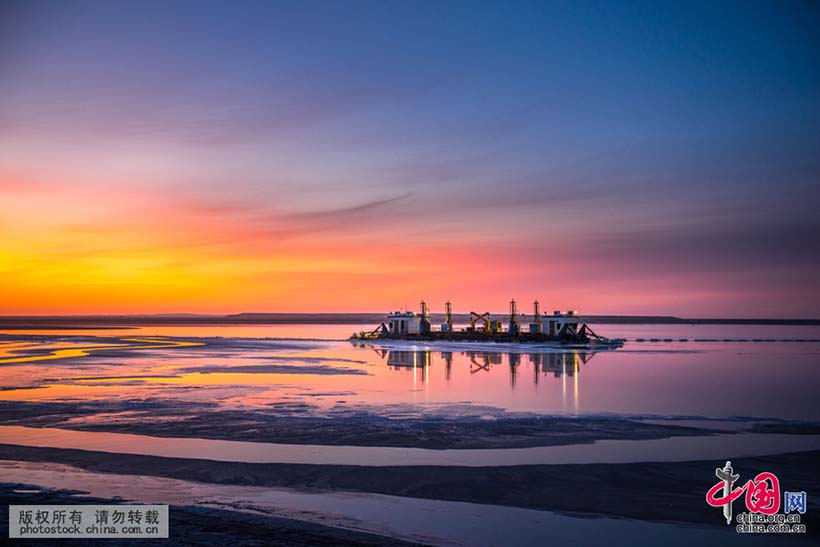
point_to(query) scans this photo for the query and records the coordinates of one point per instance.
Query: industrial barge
(560, 329)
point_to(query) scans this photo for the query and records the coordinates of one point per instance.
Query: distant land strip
(22, 322)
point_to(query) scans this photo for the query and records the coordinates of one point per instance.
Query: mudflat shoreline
(355, 429)
(662, 492)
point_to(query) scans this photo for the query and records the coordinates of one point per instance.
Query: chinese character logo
(727, 479)
(762, 492)
(794, 501)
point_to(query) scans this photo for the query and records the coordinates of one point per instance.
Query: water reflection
(313, 376)
(558, 365)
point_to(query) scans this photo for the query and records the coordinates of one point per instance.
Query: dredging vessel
(561, 328)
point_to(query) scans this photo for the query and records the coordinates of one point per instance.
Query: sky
(220, 157)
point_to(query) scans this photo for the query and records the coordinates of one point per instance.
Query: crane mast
(424, 322)
(515, 326)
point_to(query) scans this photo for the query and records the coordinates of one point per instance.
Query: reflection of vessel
(398, 358)
(410, 360)
(560, 329)
(557, 364)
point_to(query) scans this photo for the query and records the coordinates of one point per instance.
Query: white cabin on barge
(403, 322)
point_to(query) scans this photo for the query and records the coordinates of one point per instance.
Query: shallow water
(669, 449)
(343, 331)
(714, 379)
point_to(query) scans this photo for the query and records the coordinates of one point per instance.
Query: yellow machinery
(371, 335)
(484, 318)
